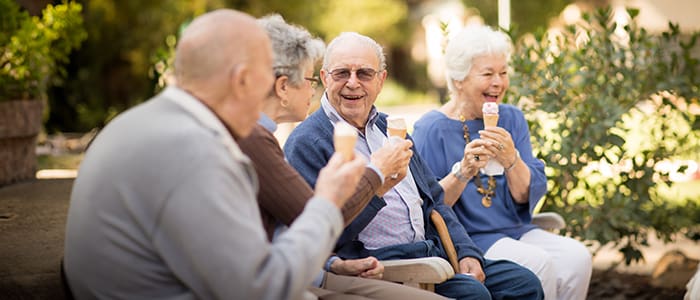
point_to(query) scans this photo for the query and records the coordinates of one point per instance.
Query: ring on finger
(500, 147)
(476, 157)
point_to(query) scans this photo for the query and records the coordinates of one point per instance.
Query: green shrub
(32, 49)
(607, 105)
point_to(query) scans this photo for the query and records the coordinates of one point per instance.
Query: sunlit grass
(63, 161)
(394, 94)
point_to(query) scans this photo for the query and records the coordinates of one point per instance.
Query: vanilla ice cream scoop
(396, 126)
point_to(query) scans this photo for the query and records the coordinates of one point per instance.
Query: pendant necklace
(488, 192)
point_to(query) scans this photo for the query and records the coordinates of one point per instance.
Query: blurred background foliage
(614, 112)
(33, 49)
(526, 16)
(607, 119)
(118, 65)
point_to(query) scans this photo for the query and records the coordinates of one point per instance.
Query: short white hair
(471, 42)
(357, 38)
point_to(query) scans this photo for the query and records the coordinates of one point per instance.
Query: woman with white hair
(489, 174)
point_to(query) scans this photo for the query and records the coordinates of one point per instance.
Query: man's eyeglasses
(314, 81)
(363, 74)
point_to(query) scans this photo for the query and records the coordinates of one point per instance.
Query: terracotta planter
(20, 123)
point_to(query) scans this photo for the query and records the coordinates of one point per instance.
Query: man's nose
(353, 81)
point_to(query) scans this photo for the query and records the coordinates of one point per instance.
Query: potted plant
(32, 50)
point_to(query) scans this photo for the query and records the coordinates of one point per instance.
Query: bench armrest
(548, 221)
(417, 270)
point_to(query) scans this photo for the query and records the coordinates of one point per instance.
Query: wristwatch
(457, 171)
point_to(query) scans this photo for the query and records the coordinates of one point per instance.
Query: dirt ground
(617, 285)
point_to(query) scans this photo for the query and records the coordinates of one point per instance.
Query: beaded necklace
(488, 192)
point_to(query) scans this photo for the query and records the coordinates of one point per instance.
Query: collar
(206, 117)
(267, 122)
(335, 117)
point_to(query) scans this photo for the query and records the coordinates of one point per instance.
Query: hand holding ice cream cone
(490, 113)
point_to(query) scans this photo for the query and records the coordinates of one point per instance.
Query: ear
(239, 79)
(458, 84)
(324, 77)
(282, 87)
(382, 77)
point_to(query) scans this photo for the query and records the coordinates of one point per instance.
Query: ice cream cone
(490, 120)
(396, 127)
(344, 139)
(490, 113)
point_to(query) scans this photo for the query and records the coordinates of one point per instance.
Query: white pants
(563, 264)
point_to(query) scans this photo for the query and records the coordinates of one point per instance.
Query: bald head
(213, 44)
(224, 60)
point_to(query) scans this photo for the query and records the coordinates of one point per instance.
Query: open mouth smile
(352, 97)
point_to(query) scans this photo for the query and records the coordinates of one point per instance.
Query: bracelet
(517, 155)
(457, 172)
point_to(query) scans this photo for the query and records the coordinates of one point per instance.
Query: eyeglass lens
(363, 74)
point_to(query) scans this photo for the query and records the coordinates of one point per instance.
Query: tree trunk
(20, 123)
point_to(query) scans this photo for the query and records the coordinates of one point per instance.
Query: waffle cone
(490, 120)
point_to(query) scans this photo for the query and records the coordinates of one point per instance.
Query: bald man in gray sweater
(164, 206)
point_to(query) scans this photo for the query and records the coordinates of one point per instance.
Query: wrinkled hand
(475, 157)
(472, 267)
(337, 180)
(498, 144)
(368, 267)
(392, 159)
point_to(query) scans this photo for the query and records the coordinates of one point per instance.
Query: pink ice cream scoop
(490, 108)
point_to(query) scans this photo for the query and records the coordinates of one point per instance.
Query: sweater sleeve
(307, 153)
(212, 239)
(366, 189)
(283, 192)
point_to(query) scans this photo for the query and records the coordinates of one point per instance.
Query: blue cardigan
(310, 146)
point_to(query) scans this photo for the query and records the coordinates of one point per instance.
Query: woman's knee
(580, 257)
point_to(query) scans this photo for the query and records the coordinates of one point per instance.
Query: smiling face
(487, 81)
(353, 96)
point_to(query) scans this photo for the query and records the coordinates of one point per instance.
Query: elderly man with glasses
(396, 225)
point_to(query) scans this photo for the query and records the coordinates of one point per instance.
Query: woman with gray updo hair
(480, 149)
(283, 193)
(293, 47)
